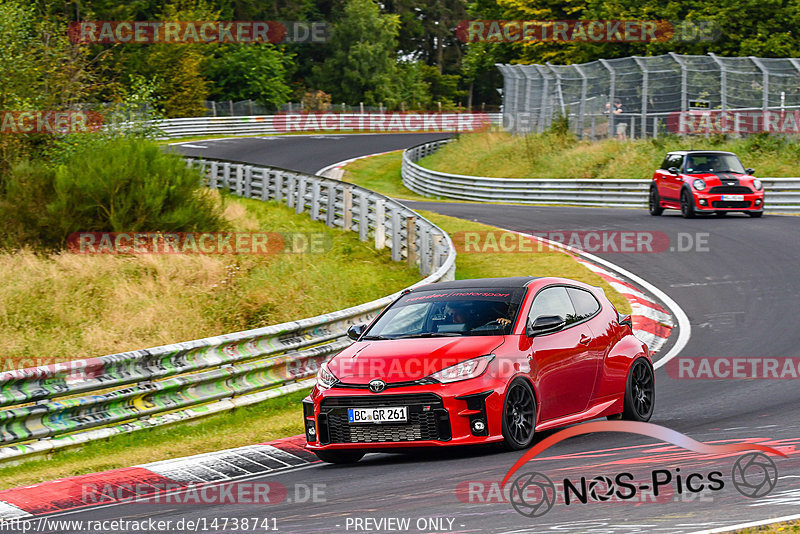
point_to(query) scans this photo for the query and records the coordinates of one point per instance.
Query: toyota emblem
(377, 385)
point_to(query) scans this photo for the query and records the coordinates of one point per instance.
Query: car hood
(401, 360)
(714, 179)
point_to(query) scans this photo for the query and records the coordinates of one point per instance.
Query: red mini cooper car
(705, 181)
(479, 361)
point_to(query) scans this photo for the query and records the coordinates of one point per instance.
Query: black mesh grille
(427, 420)
(730, 189)
(730, 204)
(420, 426)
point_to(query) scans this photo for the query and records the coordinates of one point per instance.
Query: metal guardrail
(261, 125)
(94, 398)
(782, 194)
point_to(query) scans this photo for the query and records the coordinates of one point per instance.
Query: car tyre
(519, 415)
(654, 203)
(339, 457)
(687, 205)
(640, 392)
(755, 214)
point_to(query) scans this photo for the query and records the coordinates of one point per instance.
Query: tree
(361, 66)
(258, 71)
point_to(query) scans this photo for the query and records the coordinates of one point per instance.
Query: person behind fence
(621, 127)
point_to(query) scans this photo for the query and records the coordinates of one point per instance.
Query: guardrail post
(278, 185)
(226, 175)
(348, 207)
(437, 252)
(297, 193)
(315, 192)
(397, 239)
(248, 180)
(424, 252)
(411, 240)
(363, 216)
(212, 175)
(380, 228)
(330, 209)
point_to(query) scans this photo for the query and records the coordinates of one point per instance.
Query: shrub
(114, 185)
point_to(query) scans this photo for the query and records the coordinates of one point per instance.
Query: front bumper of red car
(459, 413)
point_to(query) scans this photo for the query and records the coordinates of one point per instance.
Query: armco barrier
(60, 405)
(258, 125)
(782, 194)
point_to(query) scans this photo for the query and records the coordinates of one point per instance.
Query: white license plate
(733, 197)
(385, 414)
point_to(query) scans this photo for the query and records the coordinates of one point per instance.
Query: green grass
(277, 418)
(549, 155)
(68, 306)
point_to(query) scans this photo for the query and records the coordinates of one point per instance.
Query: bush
(113, 185)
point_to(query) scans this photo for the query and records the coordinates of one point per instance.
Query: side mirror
(355, 331)
(545, 324)
(673, 170)
(750, 171)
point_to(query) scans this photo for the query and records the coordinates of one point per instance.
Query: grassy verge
(277, 418)
(549, 155)
(789, 526)
(68, 306)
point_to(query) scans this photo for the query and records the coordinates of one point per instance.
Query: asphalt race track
(741, 292)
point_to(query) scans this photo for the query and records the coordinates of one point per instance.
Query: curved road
(741, 292)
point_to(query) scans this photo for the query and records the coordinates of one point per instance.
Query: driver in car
(458, 314)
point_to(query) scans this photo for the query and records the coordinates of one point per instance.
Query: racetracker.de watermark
(585, 31)
(601, 241)
(382, 122)
(193, 493)
(734, 122)
(734, 368)
(50, 122)
(199, 243)
(194, 32)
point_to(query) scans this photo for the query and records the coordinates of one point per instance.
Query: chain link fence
(650, 96)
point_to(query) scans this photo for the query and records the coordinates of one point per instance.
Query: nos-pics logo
(533, 494)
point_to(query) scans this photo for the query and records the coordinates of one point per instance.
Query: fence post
(582, 108)
(684, 81)
(212, 175)
(330, 209)
(248, 180)
(645, 78)
(315, 191)
(424, 256)
(226, 175)
(348, 208)
(278, 185)
(397, 239)
(230, 104)
(529, 72)
(380, 221)
(411, 240)
(363, 216)
(723, 81)
(611, 93)
(764, 84)
(300, 199)
(543, 104)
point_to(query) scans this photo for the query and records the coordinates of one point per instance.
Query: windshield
(450, 312)
(703, 163)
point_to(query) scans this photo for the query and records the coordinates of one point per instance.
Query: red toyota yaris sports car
(705, 181)
(479, 361)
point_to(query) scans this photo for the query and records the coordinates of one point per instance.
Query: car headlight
(464, 370)
(699, 184)
(325, 378)
(757, 184)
